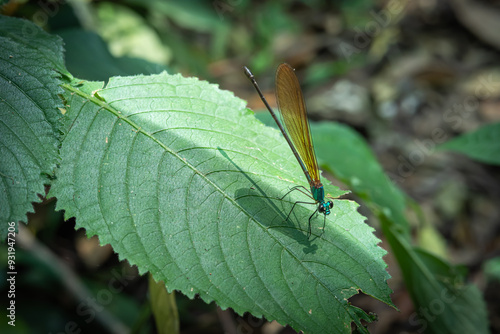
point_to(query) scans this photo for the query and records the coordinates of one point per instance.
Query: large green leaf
(482, 145)
(28, 115)
(182, 181)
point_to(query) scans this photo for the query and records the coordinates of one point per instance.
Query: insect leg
(294, 204)
(309, 230)
(306, 192)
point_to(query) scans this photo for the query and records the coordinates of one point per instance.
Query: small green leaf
(183, 181)
(28, 115)
(482, 145)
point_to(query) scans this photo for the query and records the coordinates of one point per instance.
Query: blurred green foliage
(131, 37)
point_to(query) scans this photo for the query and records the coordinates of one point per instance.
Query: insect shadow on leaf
(263, 208)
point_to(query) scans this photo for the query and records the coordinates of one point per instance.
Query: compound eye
(330, 204)
(321, 208)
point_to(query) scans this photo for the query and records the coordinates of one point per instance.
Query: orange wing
(294, 117)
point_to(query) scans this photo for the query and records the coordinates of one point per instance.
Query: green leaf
(28, 115)
(482, 145)
(492, 269)
(87, 57)
(183, 181)
(129, 33)
(443, 301)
